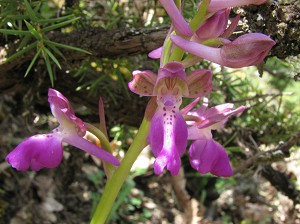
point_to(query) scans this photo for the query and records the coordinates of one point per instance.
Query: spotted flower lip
(168, 131)
(207, 155)
(45, 150)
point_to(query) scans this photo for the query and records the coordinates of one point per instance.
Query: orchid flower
(207, 155)
(216, 5)
(168, 130)
(45, 150)
(248, 49)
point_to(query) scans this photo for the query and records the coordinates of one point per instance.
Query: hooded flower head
(246, 50)
(45, 150)
(207, 155)
(168, 130)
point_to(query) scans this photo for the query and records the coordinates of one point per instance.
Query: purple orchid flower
(207, 155)
(45, 150)
(216, 5)
(246, 50)
(168, 130)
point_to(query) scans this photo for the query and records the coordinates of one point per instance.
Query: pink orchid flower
(207, 155)
(216, 5)
(168, 130)
(45, 150)
(246, 50)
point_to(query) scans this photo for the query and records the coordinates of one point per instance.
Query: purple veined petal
(207, 155)
(155, 54)
(172, 75)
(199, 83)
(177, 19)
(90, 148)
(168, 139)
(37, 152)
(248, 49)
(143, 83)
(63, 112)
(216, 5)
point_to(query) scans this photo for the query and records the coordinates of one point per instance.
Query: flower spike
(168, 130)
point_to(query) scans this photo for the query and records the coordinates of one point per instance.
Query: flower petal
(63, 112)
(199, 83)
(177, 19)
(214, 26)
(207, 155)
(210, 53)
(37, 152)
(90, 148)
(248, 49)
(143, 83)
(218, 114)
(156, 53)
(170, 76)
(168, 140)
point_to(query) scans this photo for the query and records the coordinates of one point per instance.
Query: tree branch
(272, 155)
(281, 22)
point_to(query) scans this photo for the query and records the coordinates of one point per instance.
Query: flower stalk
(114, 184)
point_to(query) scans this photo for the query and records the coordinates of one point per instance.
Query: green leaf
(32, 15)
(21, 52)
(58, 25)
(67, 47)
(200, 15)
(25, 41)
(32, 62)
(55, 20)
(56, 50)
(16, 17)
(49, 67)
(14, 32)
(33, 31)
(52, 57)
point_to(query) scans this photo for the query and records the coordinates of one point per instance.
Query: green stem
(108, 168)
(200, 17)
(100, 135)
(114, 184)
